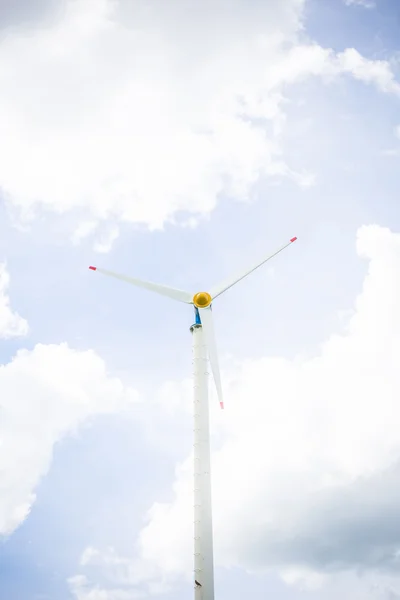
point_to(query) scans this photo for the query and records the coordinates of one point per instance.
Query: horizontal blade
(164, 290)
(228, 283)
(209, 334)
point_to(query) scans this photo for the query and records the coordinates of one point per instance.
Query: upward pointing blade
(164, 290)
(225, 285)
(209, 334)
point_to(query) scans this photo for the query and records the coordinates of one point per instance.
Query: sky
(178, 142)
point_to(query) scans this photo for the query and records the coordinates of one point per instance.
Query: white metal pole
(203, 530)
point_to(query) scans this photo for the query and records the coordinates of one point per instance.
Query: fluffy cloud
(121, 111)
(11, 324)
(82, 591)
(46, 393)
(363, 3)
(307, 469)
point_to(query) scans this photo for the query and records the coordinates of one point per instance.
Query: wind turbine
(204, 347)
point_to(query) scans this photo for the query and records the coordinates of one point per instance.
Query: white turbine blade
(228, 283)
(164, 290)
(209, 334)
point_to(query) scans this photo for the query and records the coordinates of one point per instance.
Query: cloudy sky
(178, 141)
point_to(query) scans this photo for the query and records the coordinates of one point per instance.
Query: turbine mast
(203, 528)
(204, 348)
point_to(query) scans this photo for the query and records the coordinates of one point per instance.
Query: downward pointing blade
(164, 290)
(225, 285)
(209, 334)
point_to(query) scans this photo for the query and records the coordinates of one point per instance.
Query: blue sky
(177, 146)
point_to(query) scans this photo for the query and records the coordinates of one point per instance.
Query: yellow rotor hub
(202, 300)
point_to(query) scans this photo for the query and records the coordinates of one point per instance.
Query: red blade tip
(221, 405)
(293, 239)
(93, 268)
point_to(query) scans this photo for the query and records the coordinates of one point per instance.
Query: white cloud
(46, 394)
(306, 475)
(80, 588)
(11, 324)
(105, 242)
(393, 152)
(363, 3)
(134, 117)
(376, 72)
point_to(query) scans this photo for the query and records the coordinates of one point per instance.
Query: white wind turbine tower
(204, 347)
